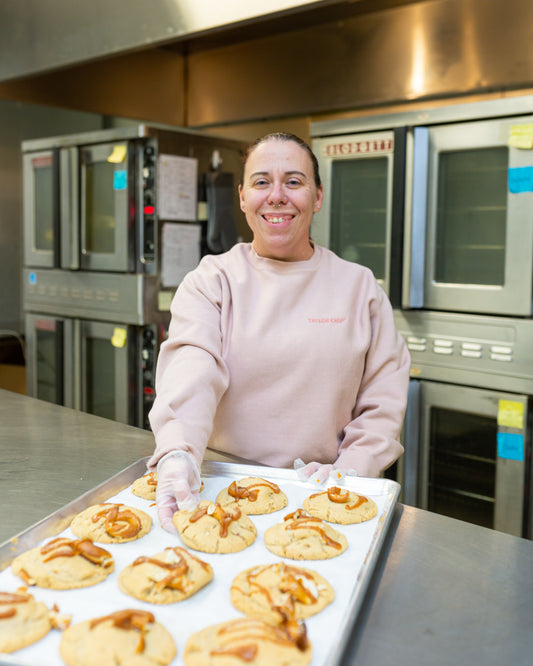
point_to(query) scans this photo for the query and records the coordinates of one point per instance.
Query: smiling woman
(279, 195)
(278, 350)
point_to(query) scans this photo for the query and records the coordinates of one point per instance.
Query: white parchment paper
(212, 605)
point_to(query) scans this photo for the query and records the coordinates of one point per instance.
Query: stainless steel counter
(50, 455)
(444, 592)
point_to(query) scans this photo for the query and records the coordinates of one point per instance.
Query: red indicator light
(149, 210)
(148, 390)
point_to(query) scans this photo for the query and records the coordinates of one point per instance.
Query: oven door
(472, 202)
(361, 218)
(108, 372)
(107, 207)
(41, 208)
(472, 463)
(49, 354)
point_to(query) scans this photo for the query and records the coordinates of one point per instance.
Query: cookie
(111, 523)
(131, 637)
(64, 564)
(213, 529)
(145, 486)
(23, 620)
(280, 592)
(253, 495)
(338, 505)
(304, 537)
(249, 641)
(170, 576)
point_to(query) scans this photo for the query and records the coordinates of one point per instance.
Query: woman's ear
(241, 200)
(319, 199)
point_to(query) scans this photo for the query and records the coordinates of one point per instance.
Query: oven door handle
(69, 208)
(417, 248)
(397, 216)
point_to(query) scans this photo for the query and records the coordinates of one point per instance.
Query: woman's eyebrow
(287, 173)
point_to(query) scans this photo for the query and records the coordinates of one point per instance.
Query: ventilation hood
(38, 36)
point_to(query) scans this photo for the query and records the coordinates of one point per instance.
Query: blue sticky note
(120, 179)
(520, 179)
(510, 446)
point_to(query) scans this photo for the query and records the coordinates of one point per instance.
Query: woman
(278, 350)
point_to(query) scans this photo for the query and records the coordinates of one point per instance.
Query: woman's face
(279, 197)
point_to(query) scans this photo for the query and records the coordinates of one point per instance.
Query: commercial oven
(98, 200)
(468, 428)
(113, 220)
(439, 204)
(92, 342)
(362, 215)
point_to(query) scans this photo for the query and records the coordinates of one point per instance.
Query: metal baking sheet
(328, 631)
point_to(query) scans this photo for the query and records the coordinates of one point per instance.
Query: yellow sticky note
(119, 338)
(164, 299)
(511, 414)
(118, 155)
(521, 136)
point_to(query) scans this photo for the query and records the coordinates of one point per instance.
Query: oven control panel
(465, 348)
(478, 350)
(148, 360)
(148, 194)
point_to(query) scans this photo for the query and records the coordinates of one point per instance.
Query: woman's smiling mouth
(277, 219)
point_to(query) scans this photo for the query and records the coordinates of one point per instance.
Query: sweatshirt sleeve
(191, 373)
(371, 440)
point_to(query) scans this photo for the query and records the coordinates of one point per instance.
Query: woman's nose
(277, 195)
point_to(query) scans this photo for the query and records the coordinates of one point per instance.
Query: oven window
(100, 378)
(43, 208)
(471, 216)
(462, 466)
(359, 212)
(100, 208)
(46, 365)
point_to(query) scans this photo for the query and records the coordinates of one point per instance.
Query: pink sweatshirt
(271, 361)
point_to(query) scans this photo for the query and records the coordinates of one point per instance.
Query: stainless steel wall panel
(419, 51)
(41, 35)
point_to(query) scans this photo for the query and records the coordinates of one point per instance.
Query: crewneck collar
(265, 263)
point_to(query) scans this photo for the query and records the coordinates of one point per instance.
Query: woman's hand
(318, 473)
(178, 485)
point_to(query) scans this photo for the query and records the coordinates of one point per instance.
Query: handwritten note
(177, 188)
(180, 251)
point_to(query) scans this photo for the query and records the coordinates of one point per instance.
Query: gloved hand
(178, 485)
(318, 473)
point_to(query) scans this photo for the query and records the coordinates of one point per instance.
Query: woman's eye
(260, 182)
(293, 182)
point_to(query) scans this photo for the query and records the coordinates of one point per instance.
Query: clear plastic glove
(318, 473)
(178, 485)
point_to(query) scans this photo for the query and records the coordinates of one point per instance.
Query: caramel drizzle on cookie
(150, 479)
(239, 637)
(335, 494)
(251, 492)
(300, 520)
(290, 583)
(129, 619)
(12, 598)
(62, 547)
(177, 570)
(118, 522)
(224, 517)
